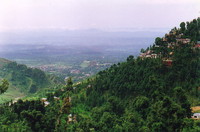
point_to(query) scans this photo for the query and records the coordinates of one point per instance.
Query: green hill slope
(23, 80)
(151, 93)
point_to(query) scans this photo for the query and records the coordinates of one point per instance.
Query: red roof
(197, 46)
(168, 62)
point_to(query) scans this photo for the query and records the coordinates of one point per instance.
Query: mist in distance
(62, 28)
(94, 14)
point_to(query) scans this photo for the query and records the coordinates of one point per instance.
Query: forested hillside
(23, 80)
(154, 92)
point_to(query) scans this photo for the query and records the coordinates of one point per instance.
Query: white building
(196, 116)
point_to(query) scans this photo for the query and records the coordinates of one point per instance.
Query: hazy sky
(100, 14)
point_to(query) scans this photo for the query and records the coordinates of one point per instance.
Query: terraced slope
(23, 80)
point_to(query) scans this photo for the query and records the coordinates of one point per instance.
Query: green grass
(10, 94)
(81, 110)
(20, 83)
(85, 64)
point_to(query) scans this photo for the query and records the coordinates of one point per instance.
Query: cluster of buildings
(71, 118)
(75, 71)
(149, 54)
(183, 41)
(51, 68)
(178, 39)
(46, 102)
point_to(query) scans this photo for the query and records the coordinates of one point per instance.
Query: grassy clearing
(11, 94)
(85, 64)
(81, 110)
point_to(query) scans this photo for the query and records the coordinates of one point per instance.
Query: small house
(142, 55)
(43, 99)
(154, 56)
(168, 62)
(89, 86)
(197, 46)
(70, 118)
(148, 56)
(171, 53)
(184, 41)
(196, 116)
(56, 98)
(46, 103)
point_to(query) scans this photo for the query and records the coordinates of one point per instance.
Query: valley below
(79, 54)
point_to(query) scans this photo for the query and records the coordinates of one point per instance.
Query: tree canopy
(4, 86)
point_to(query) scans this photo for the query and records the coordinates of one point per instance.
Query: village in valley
(163, 48)
(79, 72)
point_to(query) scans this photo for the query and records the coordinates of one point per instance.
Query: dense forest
(153, 92)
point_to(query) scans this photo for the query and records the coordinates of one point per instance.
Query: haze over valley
(77, 53)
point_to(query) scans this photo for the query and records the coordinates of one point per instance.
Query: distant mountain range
(62, 37)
